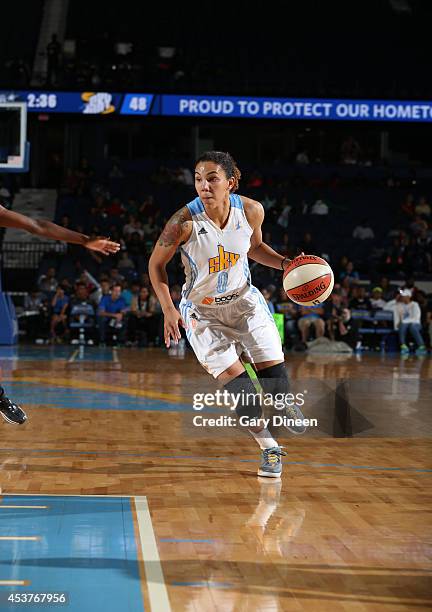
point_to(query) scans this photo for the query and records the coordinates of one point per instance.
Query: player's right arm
(47, 229)
(176, 231)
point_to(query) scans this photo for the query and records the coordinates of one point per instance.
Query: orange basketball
(308, 280)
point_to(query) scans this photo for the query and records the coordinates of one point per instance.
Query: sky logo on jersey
(224, 260)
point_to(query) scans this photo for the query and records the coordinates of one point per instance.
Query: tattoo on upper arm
(173, 230)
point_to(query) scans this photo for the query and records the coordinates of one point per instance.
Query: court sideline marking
(158, 595)
(157, 591)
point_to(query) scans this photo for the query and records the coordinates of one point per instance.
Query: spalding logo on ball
(308, 280)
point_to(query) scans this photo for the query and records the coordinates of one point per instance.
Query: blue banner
(108, 103)
(296, 108)
(86, 103)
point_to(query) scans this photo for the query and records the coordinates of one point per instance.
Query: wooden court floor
(348, 526)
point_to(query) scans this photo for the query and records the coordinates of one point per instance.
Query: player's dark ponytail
(226, 162)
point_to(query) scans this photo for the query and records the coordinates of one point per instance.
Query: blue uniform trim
(263, 302)
(184, 307)
(236, 201)
(195, 207)
(246, 272)
(193, 273)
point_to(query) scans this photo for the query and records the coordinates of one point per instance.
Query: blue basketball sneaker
(271, 465)
(294, 419)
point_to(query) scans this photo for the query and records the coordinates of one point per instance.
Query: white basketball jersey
(215, 259)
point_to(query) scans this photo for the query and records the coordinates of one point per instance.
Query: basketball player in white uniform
(224, 315)
(11, 412)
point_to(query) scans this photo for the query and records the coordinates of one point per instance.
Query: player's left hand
(103, 245)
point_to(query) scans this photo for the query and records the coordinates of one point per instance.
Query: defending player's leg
(12, 413)
(274, 381)
(248, 406)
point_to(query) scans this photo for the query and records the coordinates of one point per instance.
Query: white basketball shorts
(220, 334)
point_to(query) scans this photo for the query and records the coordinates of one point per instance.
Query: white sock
(264, 439)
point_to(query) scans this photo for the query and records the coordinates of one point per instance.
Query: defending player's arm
(177, 230)
(260, 251)
(47, 229)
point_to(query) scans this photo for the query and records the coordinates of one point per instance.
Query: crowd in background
(110, 300)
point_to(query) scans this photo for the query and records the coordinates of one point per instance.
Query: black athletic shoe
(11, 412)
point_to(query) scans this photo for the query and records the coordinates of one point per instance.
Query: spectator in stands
(332, 312)
(59, 306)
(115, 276)
(350, 151)
(388, 290)
(377, 301)
(319, 208)
(81, 315)
(267, 296)
(283, 218)
(407, 317)
(143, 325)
(148, 207)
(184, 176)
(112, 310)
(131, 206)
(125, 263)
(349, 273)
(340, 266)
(347, 329)
(418, 225)
(311, 316)
(290, 312)
(116, 172)
(285, 247)
(66, 285)
(423, 252)
(268, 202)
(307, 245)
(136, 248)
(102, 288)
(359, 299)
(130, 227)
(345, 290)
(408, 206)
(129, 293)
(48, 282)
(149, 227)
(423, 209)
(363, 231)
(302, 158)
(115, 208)
(145, 280)
(33, 300)
(156, 309)
(34, 318)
